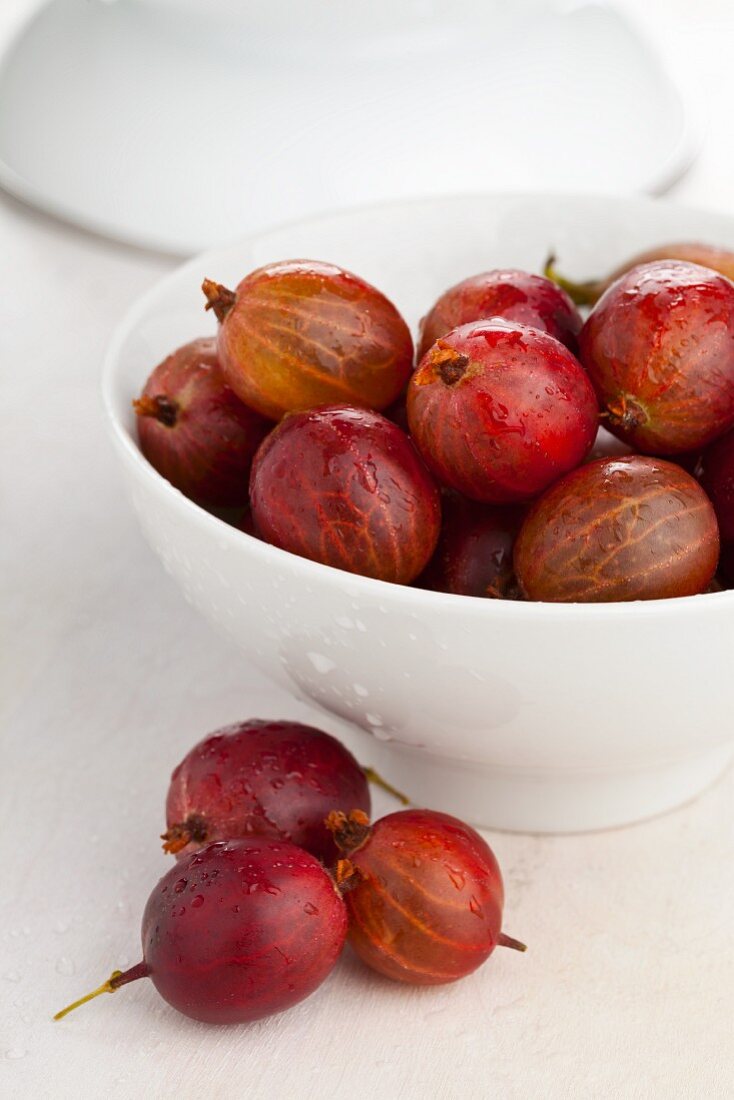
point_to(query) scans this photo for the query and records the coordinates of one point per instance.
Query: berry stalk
(374, 777)
(181, 833)
(509, 941)
(218, 298)
(582, 294)
(161, 408)
(116, 979)
(350, 831)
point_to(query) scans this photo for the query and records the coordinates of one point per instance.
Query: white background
(106, 679)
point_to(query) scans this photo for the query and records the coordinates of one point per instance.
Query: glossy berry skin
(270, 778)
(195, 431)
(513, 295)
(474, 552)
(345, 487)
(242, 929)
(499, 411)
(659, 349)
(716, 473)
(629, 528)
(301, 333)
(424, 894)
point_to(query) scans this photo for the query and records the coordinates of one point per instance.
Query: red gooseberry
(499, 411)
(474, 552)
(627, 528)
(238, 930)
(659, 349)
(301, 333)
(345, 487)
(272, 778)
(514, 295)
(195, 431)
(424, 894)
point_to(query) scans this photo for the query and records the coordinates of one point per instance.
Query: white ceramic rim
(315, 572)
(675, 165)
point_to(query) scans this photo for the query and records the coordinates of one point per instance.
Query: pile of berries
(484, 466)
(277, 863)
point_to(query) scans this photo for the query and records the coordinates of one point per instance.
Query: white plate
(180, 126)
(531, 716)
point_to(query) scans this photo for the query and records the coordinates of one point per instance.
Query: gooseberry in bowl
(518, 296)
(300, 333)
(627, 528)
(499, 411)
(345, 487)
(474, 552)
(194, 430)
(659, 349)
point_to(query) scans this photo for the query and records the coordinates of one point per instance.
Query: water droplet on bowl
(321, 662)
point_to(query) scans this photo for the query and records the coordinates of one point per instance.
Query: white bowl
(524, 716)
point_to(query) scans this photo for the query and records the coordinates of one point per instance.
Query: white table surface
(107, 677)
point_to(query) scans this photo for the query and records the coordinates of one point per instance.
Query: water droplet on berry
(367, 474)
(458, 878)
(197, 902)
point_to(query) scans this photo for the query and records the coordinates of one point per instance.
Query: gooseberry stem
(508, 941)
(160, 408)
(115, 980)
(449, 363)
(218, 298)
(625, 412)
(346, 876)
(182, 833)
(374, 777)
(349, 831)
(583, 294)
